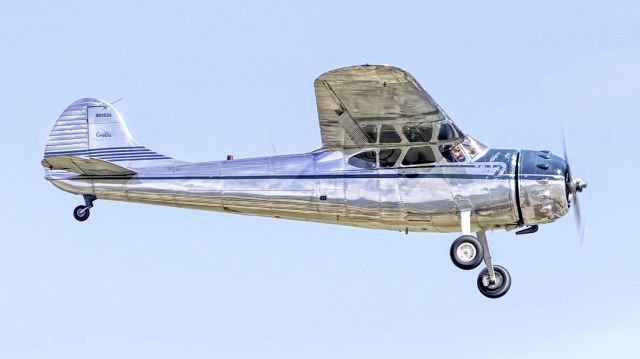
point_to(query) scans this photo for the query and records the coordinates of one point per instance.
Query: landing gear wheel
(466, 252)
(497, 289)
(81, 213)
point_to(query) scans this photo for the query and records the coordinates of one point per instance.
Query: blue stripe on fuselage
(327, 176)
(96, 150)
(115, 154)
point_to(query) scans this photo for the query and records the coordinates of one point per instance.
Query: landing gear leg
(482, 238)
(82, 212)
(493, 281)
(467, 252)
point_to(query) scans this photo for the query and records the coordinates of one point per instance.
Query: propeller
(574, 185)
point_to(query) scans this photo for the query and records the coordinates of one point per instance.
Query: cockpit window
(365, 159)
(417, 133)
(447, 132)
(452, 153)
(389, 157)
(372, 133)
(388, 134)
(418, 156)
(473, 147)
(459, 132)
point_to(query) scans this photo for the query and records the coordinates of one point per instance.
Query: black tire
(81, 213)
(468, 244)
(498, 289)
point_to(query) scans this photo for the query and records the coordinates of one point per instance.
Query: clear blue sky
(202, 80)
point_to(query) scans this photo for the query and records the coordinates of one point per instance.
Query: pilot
(452, 153)
(457, 153)
(413, 135)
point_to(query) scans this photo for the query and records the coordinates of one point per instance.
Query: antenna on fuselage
(118, 100)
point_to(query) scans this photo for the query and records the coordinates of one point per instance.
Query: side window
(459, 132)
(365, 159)
(452, 153)
(389, 135)
(372, 133)
(418, 133)
(389, 157)
(447, 132)
(418, 156)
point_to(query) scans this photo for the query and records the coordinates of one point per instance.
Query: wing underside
(377, 105)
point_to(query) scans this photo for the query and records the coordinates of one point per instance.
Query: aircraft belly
(293, 196)
(200, 194)
(416, 204)
(159, 192)
(362, 197)
(392, 211)
(65, 182)
(330, 200)
(414, 199)
(198, 189)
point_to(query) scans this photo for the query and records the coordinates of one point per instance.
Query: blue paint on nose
(541, 163)
(557, 165)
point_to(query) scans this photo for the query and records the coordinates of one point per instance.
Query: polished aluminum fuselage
(322, 187)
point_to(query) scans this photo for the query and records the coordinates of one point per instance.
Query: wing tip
(364, 69)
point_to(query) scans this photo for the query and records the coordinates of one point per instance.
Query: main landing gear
(82, 212)
(467, 252)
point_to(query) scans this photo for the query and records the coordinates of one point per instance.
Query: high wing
(376, 106)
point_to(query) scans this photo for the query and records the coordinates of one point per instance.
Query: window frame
(375, 163)
(404, 150)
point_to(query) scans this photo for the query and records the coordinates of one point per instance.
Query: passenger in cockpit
(453, 153)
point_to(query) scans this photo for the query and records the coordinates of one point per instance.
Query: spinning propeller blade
(574, 185)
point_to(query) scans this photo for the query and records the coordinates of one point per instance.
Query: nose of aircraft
(574, 184)
(578, 184)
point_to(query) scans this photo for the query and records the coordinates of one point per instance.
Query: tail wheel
(81, 213)
(496, 288)
(466, 252)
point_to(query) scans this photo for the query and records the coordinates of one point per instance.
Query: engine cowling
(542, 193)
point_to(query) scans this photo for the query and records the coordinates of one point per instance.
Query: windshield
(473, 147)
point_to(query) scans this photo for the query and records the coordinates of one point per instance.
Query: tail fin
(93, 129)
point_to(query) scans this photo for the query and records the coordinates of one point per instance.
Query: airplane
(391, 159)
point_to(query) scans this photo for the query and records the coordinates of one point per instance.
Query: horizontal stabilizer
(85, 166)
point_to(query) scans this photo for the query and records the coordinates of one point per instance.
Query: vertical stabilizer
(92, 128)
